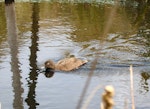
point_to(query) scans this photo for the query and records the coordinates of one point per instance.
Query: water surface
(52, 30)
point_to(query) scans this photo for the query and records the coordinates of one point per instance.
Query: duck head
(49, 65)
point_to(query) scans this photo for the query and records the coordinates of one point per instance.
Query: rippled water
(51, 30)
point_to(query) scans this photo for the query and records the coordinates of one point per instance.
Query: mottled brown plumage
(66, 64)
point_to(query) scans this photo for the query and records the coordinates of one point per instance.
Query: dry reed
(89, 98)
(132, 87)
(106, 30)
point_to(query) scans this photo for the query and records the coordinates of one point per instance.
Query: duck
(67, 64)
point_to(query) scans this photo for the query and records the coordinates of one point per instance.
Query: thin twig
(125, 103)
(87, 102)
(87, 83)
(132, 89)
(106, 30)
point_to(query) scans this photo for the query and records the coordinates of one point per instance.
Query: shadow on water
(13, 44)
(33, 75)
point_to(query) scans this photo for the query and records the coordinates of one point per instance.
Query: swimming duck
(66, 64)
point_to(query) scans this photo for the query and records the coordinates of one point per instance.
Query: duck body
(66, 64)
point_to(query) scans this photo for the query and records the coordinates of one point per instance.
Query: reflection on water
(13, 44)
(52, 30)
(145, 76)
(33, 75)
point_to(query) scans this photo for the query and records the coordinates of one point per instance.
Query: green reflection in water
(87, 22)
(2, 23)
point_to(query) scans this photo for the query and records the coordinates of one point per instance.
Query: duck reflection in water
(49, 73)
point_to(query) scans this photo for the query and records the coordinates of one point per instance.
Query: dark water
(51, 30)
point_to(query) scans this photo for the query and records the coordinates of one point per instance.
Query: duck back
(69, 64)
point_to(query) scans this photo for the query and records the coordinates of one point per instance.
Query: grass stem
(132, 87)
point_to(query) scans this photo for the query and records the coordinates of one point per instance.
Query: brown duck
(66, 64)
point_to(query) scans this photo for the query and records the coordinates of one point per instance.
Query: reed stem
(132, 87)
